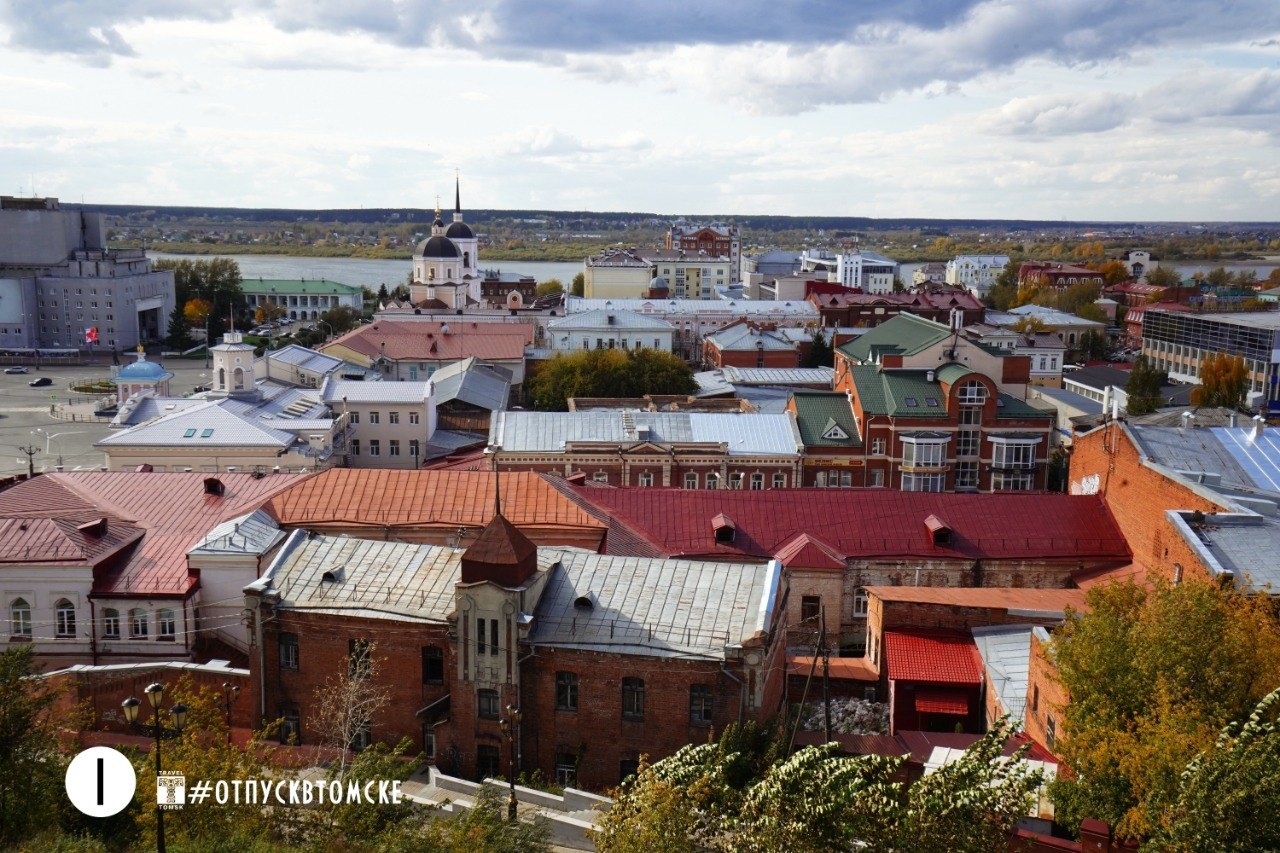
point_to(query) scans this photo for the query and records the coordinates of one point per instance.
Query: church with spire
(447, 274)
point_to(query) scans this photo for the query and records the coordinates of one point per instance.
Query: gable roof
(388, 498)
(173, 509)
(211, 424)
(825, 419)
(903, 334)
(550, 432)
(867, 523)
(428, 340)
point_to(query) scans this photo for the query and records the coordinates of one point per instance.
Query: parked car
(40, 382)
(16, 369)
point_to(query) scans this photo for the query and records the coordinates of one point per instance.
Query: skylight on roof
(206, 433)
(189, 433)
(931, 402)
(910, 401)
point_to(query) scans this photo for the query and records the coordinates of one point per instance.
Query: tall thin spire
(497, 493)
(457, 192)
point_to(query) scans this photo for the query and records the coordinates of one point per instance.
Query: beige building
(617, 274)
(391, 422)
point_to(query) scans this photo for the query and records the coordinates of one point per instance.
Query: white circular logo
(101, 781)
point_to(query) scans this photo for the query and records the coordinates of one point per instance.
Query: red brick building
(867, 310)
(607, 659)
(1057, 276)
(745, 343)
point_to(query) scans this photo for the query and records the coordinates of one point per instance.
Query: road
(25, 420)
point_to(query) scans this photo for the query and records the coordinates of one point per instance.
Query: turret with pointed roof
(501, 554)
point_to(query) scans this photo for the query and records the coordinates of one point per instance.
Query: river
(369, 273)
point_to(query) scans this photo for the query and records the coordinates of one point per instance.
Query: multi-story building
(748, 344)
(618, 274)
(601, 675)
(691, 275)
(694, 450)
(713, 240)
(867, 310)
(62, 288)
(933, 273)
(608, 329)
(303, 299)
(390, 423)
(1056, 276)
(869, 271)
(1178, 342)
(977, 273)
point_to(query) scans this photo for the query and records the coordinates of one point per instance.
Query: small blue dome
(143, 371)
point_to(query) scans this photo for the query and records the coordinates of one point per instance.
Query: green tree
(31, 785)
(719, 797)
(216, 281)
(1224, 380)
(608, 373)
(548, 287)
(1224, 790)
(266, 312)
(579, 284)
(383, 293)
(1091, 311)
(821, 353)
(1153, 675)
(1003, 294)
(1093, 345)
(179, 334)
(1143, 387)
(1163, 277)
(483, 827)
(341, 319)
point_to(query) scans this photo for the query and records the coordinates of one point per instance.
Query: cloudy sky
(1049, 109)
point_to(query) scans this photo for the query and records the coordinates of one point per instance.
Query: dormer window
(724, 529)
(939, 531)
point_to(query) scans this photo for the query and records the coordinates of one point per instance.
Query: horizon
(963, 110)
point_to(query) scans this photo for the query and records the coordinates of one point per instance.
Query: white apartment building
(390, 422)
(608, 329)
(977, 273)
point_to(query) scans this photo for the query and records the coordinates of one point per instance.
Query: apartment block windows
(393, 418)
(393, 447)
(355, 447)
(374, 417)
(413, 419)
(700, 704)
(1013, 453)
(354, 417)
(566, 691)
(645, 480)
(633, 698)
(289, 652)
(375, 447)
(877, 446)
(922, 452)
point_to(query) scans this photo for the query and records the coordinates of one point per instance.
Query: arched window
(65, 618)
(137, 624)
(165, 628)
(20, 618)
(239, 378)
(222, 377)
(111, 623)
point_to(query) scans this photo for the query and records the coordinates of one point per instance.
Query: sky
(1111, 110)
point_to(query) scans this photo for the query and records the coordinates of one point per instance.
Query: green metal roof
(905, 333)
(952, 372)
(823, 416)
(300, 286)
(1012, 407)
(901, 393)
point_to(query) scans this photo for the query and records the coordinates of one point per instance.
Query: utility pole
(30, 450)
(826, 672)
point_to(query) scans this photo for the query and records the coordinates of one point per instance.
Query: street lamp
(510, 726)
(230, 693)
(155, 693)
(51, 437)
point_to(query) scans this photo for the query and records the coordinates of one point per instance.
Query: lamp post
(155, 693)
(230, 693)
(51, 437)
(510, 726)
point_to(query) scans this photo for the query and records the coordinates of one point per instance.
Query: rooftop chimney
(1259, 424)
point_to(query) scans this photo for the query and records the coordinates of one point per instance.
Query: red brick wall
(1045, 696)
(102, 692)
(323, 649)
(1106, 461)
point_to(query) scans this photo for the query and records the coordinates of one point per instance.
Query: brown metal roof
(399, 498)
(1007, 598)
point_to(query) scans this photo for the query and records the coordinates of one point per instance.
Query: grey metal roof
(376, 580)
(254, 533)
(744, 434)
(1050, 316)
(721, 307)
(209, 425)
(645, 606)
(1071, 399)
(1244, 462)
(1006, 654)
(778, 375)
(608, 319)
(334, 391)
(145, 406)
(473, 381)
(300, 356)
(745, 337)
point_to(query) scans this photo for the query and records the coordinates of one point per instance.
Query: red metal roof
(866, 523)
(425, 340)
(938, 657)
(173, 509)
(806, 552)
(942, 702)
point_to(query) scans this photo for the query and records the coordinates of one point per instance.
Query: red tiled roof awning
(954, 702)
(936, 656)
